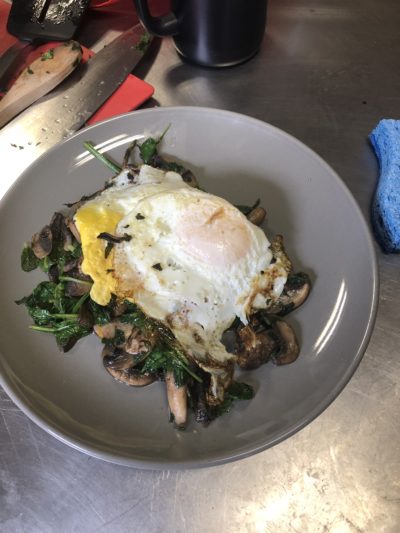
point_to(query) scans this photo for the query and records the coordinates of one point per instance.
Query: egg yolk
(91, 220)
(215, 235)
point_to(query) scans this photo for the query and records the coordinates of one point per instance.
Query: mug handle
(159, 26)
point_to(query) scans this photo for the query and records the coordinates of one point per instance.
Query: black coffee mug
(213, 33)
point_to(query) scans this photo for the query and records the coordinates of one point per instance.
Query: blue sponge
(385, 139)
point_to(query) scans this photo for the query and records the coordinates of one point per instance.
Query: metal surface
(66, 109)
(327, 73)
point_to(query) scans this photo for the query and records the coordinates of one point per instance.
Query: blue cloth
(385, 139)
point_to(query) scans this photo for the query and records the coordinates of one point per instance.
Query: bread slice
(385, 139)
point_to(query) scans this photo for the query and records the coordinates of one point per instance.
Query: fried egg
(186, 257)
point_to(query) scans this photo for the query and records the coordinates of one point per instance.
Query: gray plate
(72, 397)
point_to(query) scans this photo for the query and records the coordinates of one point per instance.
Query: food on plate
(179, 284)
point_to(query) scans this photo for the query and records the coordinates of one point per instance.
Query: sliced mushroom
(53, 273)
(105, 331)
(53, 236)
(72, 264)
(257, 215)
(119, 308)
(177, 401)
(116, 359)
(197, 391)
(56, 224)
(295, 292)
(220, 380)
(139, 345)
(189, 178)
(256, 348)
(67, 239)
(74, 288)
(289, 346)
(42, 242)
(119, 366)
(220, 377)
(131, 378)
(109, 330)
(85, 316)
(72, 228)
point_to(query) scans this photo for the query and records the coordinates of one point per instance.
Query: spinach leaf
(240, 391)
(41, 317)
(162, 359)
(29, 261)
(68, 333)
(49, 296)
(101, 313)
(46, 263)
(53, 311)
(148, 149)
(236, 391)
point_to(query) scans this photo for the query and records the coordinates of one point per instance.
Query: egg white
(193, 260)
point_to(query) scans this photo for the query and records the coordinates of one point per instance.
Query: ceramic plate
(73, 398)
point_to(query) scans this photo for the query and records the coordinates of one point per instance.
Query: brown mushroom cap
(256, 348)
(74, 288)
(120, 366)
(42, 242)
(295, 293)
(290, 349)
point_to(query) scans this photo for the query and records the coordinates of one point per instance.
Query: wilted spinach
(52, 311)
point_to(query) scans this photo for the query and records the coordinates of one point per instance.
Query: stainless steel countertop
(327, 73)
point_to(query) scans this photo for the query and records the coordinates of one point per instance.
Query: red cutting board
(130, 95)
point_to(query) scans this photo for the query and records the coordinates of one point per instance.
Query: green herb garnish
(148, 149)
(144, 42)
(47, 55)
(237, 391)
(110, 164)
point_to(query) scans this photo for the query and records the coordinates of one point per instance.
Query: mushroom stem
(257, 215)
(177, 401)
